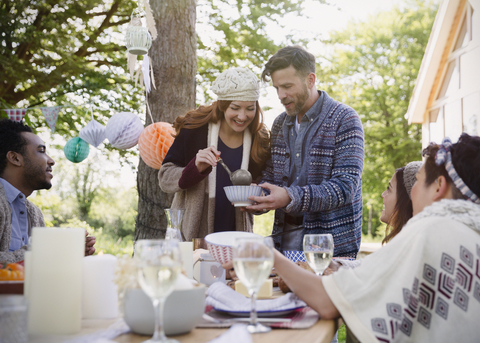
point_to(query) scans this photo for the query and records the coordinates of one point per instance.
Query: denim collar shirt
(16, 199)
(299, 140)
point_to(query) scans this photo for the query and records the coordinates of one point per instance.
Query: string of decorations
(124, 130)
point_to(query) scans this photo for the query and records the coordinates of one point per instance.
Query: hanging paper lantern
(76, 150)
(123, 130)
(137, 39)
(154, 143)
(93, 133)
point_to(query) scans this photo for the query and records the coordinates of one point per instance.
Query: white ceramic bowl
(183, 310)
(220, 244)
(238, 195)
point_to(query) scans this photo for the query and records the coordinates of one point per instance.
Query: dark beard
(300, 101)
(36, 176)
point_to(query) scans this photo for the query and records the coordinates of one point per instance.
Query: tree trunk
(174, 63)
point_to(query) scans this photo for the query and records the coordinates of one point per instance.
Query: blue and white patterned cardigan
(332, 200)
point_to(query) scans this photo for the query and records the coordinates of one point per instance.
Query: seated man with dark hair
(24, 168)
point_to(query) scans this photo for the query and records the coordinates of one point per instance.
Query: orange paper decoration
(154, 142)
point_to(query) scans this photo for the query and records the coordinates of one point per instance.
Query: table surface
(321, 332)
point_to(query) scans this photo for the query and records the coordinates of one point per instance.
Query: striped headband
(444, 156)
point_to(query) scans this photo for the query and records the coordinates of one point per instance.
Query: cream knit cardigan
(199, 200)
(35, 219)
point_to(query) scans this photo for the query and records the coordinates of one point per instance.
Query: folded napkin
(221, 297)
(237, 333)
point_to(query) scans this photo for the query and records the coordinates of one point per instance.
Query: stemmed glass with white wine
(318, 249)
(253, 262)
(158, 263)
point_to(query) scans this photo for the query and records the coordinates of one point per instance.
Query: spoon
(240, 177)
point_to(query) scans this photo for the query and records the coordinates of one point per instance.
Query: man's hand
(89, 244)
(278, 198)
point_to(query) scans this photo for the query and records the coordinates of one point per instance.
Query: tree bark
(174, 63)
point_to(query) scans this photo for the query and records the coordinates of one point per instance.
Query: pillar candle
(27, 276)
(99, 292)
(186, 249)
(55, 295)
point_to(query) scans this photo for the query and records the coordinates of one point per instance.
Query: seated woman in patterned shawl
(424, 285)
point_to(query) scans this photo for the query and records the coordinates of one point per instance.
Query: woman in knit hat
(231, 128)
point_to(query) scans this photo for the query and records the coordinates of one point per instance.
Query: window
(451, 81)
(436, 126)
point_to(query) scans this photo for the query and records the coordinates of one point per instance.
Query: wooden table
(321, 332)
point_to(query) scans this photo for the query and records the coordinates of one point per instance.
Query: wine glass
(158, 263)
(174, 218)
(253, 262)
(318, 249)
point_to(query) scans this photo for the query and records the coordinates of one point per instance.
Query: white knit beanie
(237, 84)
(409, 173)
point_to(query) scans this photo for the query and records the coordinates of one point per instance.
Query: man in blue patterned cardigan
(314, 176)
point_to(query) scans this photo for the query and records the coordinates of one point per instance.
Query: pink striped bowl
(220, 244)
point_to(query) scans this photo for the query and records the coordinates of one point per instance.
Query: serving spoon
(240, 177)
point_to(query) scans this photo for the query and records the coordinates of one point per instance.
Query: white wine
(318, 260)
(253, 271)
(158, 281)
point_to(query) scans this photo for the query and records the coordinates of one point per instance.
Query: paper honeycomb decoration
(154, 143)
(93, 133)
(123, 130)
(76, 150)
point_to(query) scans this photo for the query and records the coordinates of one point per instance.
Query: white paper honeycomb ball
(123, 130)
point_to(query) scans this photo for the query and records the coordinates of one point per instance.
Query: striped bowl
(238, 195)
(220, 244)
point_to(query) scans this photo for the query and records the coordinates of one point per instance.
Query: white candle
(186, 249)
(27, 275)
(99, 292)
(56, 280)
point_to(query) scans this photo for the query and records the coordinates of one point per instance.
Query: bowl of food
(184, 307)
(220, 244)
(295, 255)
(238, 195)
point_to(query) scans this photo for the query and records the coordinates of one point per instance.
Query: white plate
(264, 314)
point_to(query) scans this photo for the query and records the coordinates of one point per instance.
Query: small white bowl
(220, 244)
(238, 195)
(182, 311)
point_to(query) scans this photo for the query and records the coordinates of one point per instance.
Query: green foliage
(239, 36)
(115, 211)
(373, 69)
(342, 334)
(66, 53)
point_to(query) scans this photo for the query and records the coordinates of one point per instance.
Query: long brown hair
(215, 112)
(402, 211)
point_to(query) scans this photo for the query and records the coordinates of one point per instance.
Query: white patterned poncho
(423, 286)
